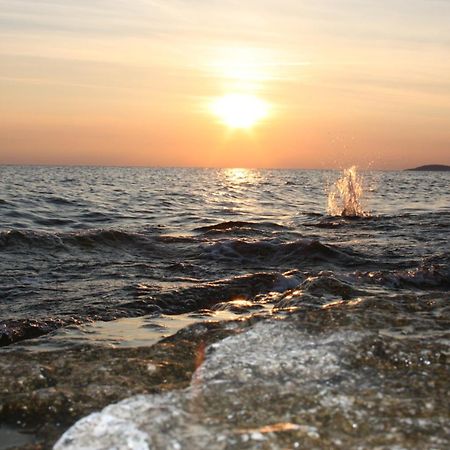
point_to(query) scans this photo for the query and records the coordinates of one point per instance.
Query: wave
(149, 300)
(18, 239)
(206, 295)
(232, 225)
(61, 201)
(276, 252)
(240, 288)
(435, 276)
(324, 224)
(360, 222)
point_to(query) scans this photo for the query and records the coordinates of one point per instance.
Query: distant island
(432, 167)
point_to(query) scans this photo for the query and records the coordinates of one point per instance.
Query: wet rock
(239, 306)
(325, 284)
(280, 385)
(43, 393)
(318, 291)
(15, 330)
(369, 372)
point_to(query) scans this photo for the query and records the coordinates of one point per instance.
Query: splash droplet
(344, 197)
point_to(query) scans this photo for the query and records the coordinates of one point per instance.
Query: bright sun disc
(239, 110)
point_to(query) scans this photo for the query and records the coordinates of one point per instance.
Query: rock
(46, 392)
(283, 384)
(371, 372)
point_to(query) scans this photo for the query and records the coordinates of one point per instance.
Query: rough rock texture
(44, 393)
(293, 383)
(326, 369)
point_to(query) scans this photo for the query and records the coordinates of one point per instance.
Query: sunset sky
(256, 83)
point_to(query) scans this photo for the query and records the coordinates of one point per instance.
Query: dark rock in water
(15, 330)
(431, 168)
(326, 284)
(317, 292)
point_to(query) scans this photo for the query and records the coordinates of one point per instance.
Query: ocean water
(125, 256)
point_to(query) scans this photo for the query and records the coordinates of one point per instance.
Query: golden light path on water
(239, 175)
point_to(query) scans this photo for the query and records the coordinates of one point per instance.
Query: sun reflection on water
(240, 175)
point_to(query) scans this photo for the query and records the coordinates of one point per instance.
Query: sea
(122, 258)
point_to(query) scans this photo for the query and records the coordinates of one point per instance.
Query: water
(344, 198)
(121, 257)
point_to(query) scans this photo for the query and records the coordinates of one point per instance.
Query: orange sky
(109, 82)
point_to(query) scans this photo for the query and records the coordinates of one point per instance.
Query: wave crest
(232, 225)
(17, 239)
(279, 252)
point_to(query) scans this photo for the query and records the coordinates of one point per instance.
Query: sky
(134, 83)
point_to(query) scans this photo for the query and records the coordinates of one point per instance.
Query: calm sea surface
(340, 325)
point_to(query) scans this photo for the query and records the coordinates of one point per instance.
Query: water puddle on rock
(127, 332)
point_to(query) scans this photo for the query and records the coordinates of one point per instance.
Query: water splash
(344, 197)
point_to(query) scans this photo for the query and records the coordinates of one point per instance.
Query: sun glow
(240, 110)
(243, 68)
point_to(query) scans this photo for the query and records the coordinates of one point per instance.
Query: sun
(240, 110)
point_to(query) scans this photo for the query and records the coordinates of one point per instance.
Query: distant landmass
(432, 167)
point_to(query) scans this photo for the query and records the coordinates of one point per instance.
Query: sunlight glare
(239, 175)
(240, 110)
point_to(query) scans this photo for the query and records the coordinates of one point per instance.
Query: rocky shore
(316, 373)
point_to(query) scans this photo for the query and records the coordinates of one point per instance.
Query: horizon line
(119, 166)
